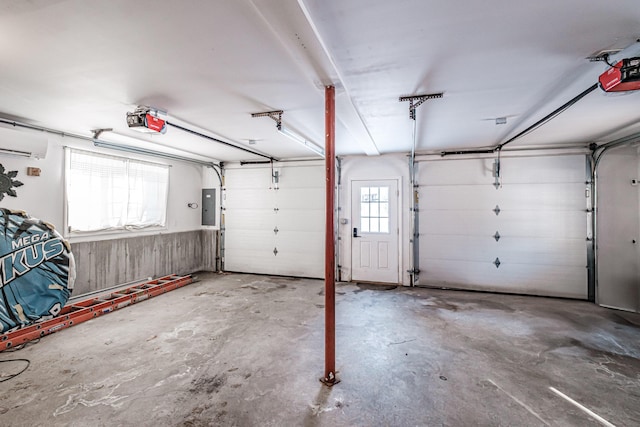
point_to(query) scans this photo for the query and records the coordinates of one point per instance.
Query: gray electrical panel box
(208, 206)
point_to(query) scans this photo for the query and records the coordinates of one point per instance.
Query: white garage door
(275, 231)
(618, 230)
(533, 243)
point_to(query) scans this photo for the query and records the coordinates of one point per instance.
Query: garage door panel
(302, 242)
(255, 239)
(567, 225)
(536, 170)
(560, 281)
(556, 197)
(300, 198)
(301, 177)
(248, 219)
(571, 224)
(509, 250)
(298, 258)
(248, 178)
(287, 265)
(469, 172)
(259, 263)
(239, 198)
(462, 197)
(301, 220)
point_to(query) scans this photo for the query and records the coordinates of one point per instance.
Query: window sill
(90, 236)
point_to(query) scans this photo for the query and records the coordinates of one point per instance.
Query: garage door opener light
(277, 117)
(300, 140)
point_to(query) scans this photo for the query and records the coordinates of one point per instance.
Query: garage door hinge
(497, 210)
(276, 210)
(497, 262)
(275, 251)
(275, 230)
(496, 236)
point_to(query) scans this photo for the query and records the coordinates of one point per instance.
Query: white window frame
(371, 216)
(69, 232)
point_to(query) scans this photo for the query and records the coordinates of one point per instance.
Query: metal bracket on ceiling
(276, 115)
(98, 132)
(416, 100)
(603, 55)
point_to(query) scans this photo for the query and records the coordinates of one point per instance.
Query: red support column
(329, 254)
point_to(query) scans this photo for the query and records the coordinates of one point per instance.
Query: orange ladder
(80, 311)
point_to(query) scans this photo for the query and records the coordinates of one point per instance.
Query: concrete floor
(248, 350)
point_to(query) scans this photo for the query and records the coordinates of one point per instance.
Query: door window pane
(374, 194)
(374, 209)
(384, 194)
(364, 210)
(384, 210)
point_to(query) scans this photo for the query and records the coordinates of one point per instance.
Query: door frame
(349, 214)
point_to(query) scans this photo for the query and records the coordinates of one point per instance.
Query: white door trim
(347, 234)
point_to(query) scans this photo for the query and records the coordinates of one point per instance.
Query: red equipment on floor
(79, 311)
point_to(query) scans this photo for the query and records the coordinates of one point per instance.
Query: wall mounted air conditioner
(23, 143)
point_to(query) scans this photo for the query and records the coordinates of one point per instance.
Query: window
(374, 209)
(108, 192)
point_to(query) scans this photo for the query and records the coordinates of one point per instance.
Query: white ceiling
(77, 65)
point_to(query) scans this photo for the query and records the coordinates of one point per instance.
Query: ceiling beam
(369, 145)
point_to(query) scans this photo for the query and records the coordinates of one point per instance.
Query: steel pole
(329, 254)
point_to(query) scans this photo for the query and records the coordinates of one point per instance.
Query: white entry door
(374, 232)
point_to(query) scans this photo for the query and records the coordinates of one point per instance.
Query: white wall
(40, 196)
(43, 196)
